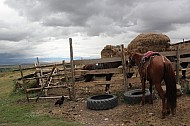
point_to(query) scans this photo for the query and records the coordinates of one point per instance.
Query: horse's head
(131, 61)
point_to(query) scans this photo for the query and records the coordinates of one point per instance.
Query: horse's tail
(171, 90)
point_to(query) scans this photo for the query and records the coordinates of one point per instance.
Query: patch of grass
(6, 69)
(15, 113)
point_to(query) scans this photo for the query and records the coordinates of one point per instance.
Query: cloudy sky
(31, 28)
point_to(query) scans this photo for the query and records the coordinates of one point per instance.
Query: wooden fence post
(66, 79)
(72, 70)
(177, 64)
(23, 81)
(124, 67)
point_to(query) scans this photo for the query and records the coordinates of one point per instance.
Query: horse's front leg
(143, 91)
(107, 89)
(108, 78)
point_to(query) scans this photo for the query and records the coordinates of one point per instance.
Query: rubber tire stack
(131, 98)
(102, 102)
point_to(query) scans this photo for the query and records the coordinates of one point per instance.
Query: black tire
(135, 96)
(102, 102)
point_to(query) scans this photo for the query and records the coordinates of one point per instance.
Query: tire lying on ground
(135, 96)
(102, 102)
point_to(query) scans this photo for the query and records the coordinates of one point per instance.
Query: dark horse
(106, 65)
(155, 69)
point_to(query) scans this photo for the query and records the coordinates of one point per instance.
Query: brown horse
(155, 69)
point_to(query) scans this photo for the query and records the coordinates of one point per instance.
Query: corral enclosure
(69, 77)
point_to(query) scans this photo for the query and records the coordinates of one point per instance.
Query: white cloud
(42, 27)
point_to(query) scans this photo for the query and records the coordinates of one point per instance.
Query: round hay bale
(111, 51)
(106, 53)
(109, 47)
(151, 41)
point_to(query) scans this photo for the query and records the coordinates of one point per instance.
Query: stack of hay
(111, 51)
(149, 42)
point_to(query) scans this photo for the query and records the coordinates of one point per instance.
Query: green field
(15, 113)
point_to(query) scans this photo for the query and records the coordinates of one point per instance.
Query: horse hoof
(141, 103)
(168, 112)
(108, 92)
(162, 117)
(173, 113)
(151, 102)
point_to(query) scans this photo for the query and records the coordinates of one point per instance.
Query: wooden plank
(48, 97)
(42, 66)
(173, 53)
(185, 59)
(184, 52)
(168, 53)
(95, 83)
(49, 87)
(48, 79)
(104, 71)
(177, 64)
(94, 61)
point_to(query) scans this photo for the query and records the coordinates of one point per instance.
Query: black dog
(60, 101)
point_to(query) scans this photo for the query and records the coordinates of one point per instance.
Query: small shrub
(185, 89)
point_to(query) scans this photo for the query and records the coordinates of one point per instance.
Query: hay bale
(146, 42)
(111, 51)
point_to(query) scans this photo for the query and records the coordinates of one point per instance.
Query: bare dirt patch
(122, 115)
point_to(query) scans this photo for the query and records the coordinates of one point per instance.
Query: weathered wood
(94, 61)
(46, 83)
(185, 59)
(95, 83)
(124, 68)
(72, 70)
(173, 53)
(177, 64)
(49, 87)
(168, 53)
(50, 97)
(182, 52)
(42, 66)
(23, 81)
(103, 71)
(39, 73)
(67, 79)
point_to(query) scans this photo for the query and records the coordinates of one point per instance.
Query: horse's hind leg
(168, 108)
(143, 81)
(162, 96)
(88, 77)
(151, 97)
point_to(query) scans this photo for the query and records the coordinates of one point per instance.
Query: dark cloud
(10, 58)
(146, 16)
(44, 21)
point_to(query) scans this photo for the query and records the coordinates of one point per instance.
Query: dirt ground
(123, 114)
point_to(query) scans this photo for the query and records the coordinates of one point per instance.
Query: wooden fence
(73, 73)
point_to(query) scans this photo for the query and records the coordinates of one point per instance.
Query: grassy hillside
(15, 113)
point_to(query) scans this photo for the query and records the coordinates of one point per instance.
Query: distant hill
(16, 61)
